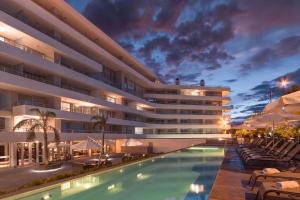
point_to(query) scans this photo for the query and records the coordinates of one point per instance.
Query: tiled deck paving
(13, 178)
(231, 181)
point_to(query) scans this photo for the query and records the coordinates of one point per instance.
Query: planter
(50, 166)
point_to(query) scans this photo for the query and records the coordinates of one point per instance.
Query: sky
(248, 45)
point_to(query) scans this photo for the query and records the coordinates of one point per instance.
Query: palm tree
(100, 120)
(41, 123)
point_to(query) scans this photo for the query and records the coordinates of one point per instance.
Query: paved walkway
(13, 178)
(231, 181)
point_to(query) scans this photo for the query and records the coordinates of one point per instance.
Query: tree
(101, 121)
(42, 123)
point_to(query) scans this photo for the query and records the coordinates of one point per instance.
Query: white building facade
(52, 58)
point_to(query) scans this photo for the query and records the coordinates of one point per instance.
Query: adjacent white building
(54, 59)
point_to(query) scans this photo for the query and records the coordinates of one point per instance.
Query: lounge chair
(268, 189)
(255, 144)
(256, 149)
(281, 154)
(273, 161)
(291, 174)
(271, 152)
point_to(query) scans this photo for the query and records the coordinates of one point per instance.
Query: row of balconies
(43, 79)
(62, 84)
(119, 115)
(178, 92)
(102, 78)
(66, 85)
(109, 79)
(184, 102)
(182, 131)
(55, 35)
(81, 123)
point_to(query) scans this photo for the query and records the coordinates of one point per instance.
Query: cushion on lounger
(267, 171)
(286, 184)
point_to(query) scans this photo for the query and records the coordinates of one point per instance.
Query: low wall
(6, 137)
(164, 145)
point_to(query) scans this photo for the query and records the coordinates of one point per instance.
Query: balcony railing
(94, 131)
(10, 70)
(25, 48)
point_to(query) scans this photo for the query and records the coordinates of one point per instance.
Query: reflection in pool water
(183, 175)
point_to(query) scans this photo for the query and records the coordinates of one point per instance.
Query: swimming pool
(182, 175)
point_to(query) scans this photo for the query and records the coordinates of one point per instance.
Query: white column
(22, 154)
(71, 150)
(37, 153)
(12, 155)
(52, 149)
(44, 152)
(30, 152)
(58, 153)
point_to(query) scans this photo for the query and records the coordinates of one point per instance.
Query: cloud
(117, 17)
(286, 47)
(254, 108)
(258, 16)
(133, 18)
(196, 40)
(160, 42)
(231, 80)
(261, 92)
(238, 120)
(259, 95)
(163, 25)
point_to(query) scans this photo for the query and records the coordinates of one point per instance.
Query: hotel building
(52, 58)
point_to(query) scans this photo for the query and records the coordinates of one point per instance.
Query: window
(111, 99)
(2, 123)
(66, 106)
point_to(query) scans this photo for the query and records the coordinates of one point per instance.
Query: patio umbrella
(288, 103)
(61, 144)
(292, 98)
(243, 126)
(279, 117)
(86, 145)
(132, 143)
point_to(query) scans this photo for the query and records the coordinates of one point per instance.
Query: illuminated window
(139, 108)
(66, 106)
(111, 99)
(195, 93)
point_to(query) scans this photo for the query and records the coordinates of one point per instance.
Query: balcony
(25, 48)
(41, 79)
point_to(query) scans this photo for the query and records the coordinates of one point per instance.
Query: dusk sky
(248, 45)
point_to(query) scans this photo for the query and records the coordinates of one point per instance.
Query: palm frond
(30, 136)
(95, 118)
(31, 131)
(95, 124)
(25, 122)
(99, 120)
(50, 114)
(37, 111)
(56, 133)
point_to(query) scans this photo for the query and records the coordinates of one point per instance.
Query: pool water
(182, 175)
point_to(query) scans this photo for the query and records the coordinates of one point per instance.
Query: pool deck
(11, 179)
(231, 181)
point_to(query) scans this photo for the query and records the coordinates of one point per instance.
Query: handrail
(42, 80)
(26, 48)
